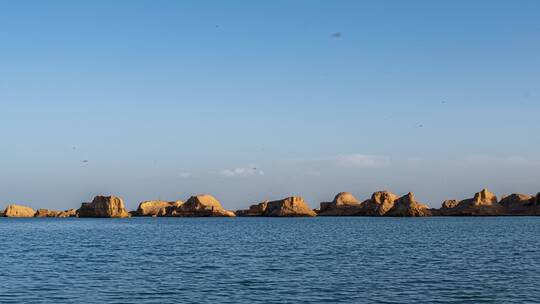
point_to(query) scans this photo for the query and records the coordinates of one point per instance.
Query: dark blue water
(276, 260)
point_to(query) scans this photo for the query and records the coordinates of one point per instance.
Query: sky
(256, 100)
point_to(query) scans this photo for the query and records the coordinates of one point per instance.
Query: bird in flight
(85, 161)
(336, 35)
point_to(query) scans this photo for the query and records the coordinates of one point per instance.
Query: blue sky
(166, 99)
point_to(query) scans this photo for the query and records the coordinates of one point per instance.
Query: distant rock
(520, 204)
(344, 204)
(69, 213)
(289, 207)
(448, 204)
(54, 213)
(483, 203)
(104, 206)
(197, 206)
(408, 206)
(380, 203)
(254, 210)
(152, 208)
(168, 210)
(484, 198)
(19, 211)
(46, 213)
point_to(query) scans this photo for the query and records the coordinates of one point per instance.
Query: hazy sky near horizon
(254, 100)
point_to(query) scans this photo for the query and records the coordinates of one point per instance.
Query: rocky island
(381, 203)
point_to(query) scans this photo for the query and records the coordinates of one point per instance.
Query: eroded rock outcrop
(197, 206)
(409, 207)
(54, 213)
(483, 203)
(19, 211)
(104, 206)
(254, 210)
(46, 213)
(520, 204)
(448, 204)
(344, 204)
(153, 208)
(289, 207)
(379, 204)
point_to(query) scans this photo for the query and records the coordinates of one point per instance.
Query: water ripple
(261, 260)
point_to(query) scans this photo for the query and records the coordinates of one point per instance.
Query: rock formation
(19, 211)
(448, 204)
(54, 213)
(520, 204)
(289, 207)
(380, 203)
(69, 213)
(46, 213)
(152, 208)
(408, 206)
(167, 211)
(254, 210)
(344, 204)
(104, 206)
(200, 205)
(483, 203)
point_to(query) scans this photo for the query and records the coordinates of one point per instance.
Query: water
(271, 260)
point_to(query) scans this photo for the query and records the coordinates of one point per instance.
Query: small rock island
(381, 203)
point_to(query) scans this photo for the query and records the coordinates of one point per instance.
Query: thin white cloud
(357, 160)
(236, 172)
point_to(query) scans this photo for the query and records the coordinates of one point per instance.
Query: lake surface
(271, 260)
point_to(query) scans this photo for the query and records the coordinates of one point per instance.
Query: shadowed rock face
(104, 206)
(152, 208)
(19, 211)
(254, 210)
(288, 207)
(520, 204)
(344, 204)
(483, 203)
(408, 206)
(380, 203)
(200, 205)
(54, 213)
(167, 211)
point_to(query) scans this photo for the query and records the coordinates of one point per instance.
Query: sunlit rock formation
(483, 203)
(196, 206)
(409, 207)
(54, 213)
(19, 211)
(379, 204)
(153, 208)
(344, 204)
(104, 206)
(287, 207)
